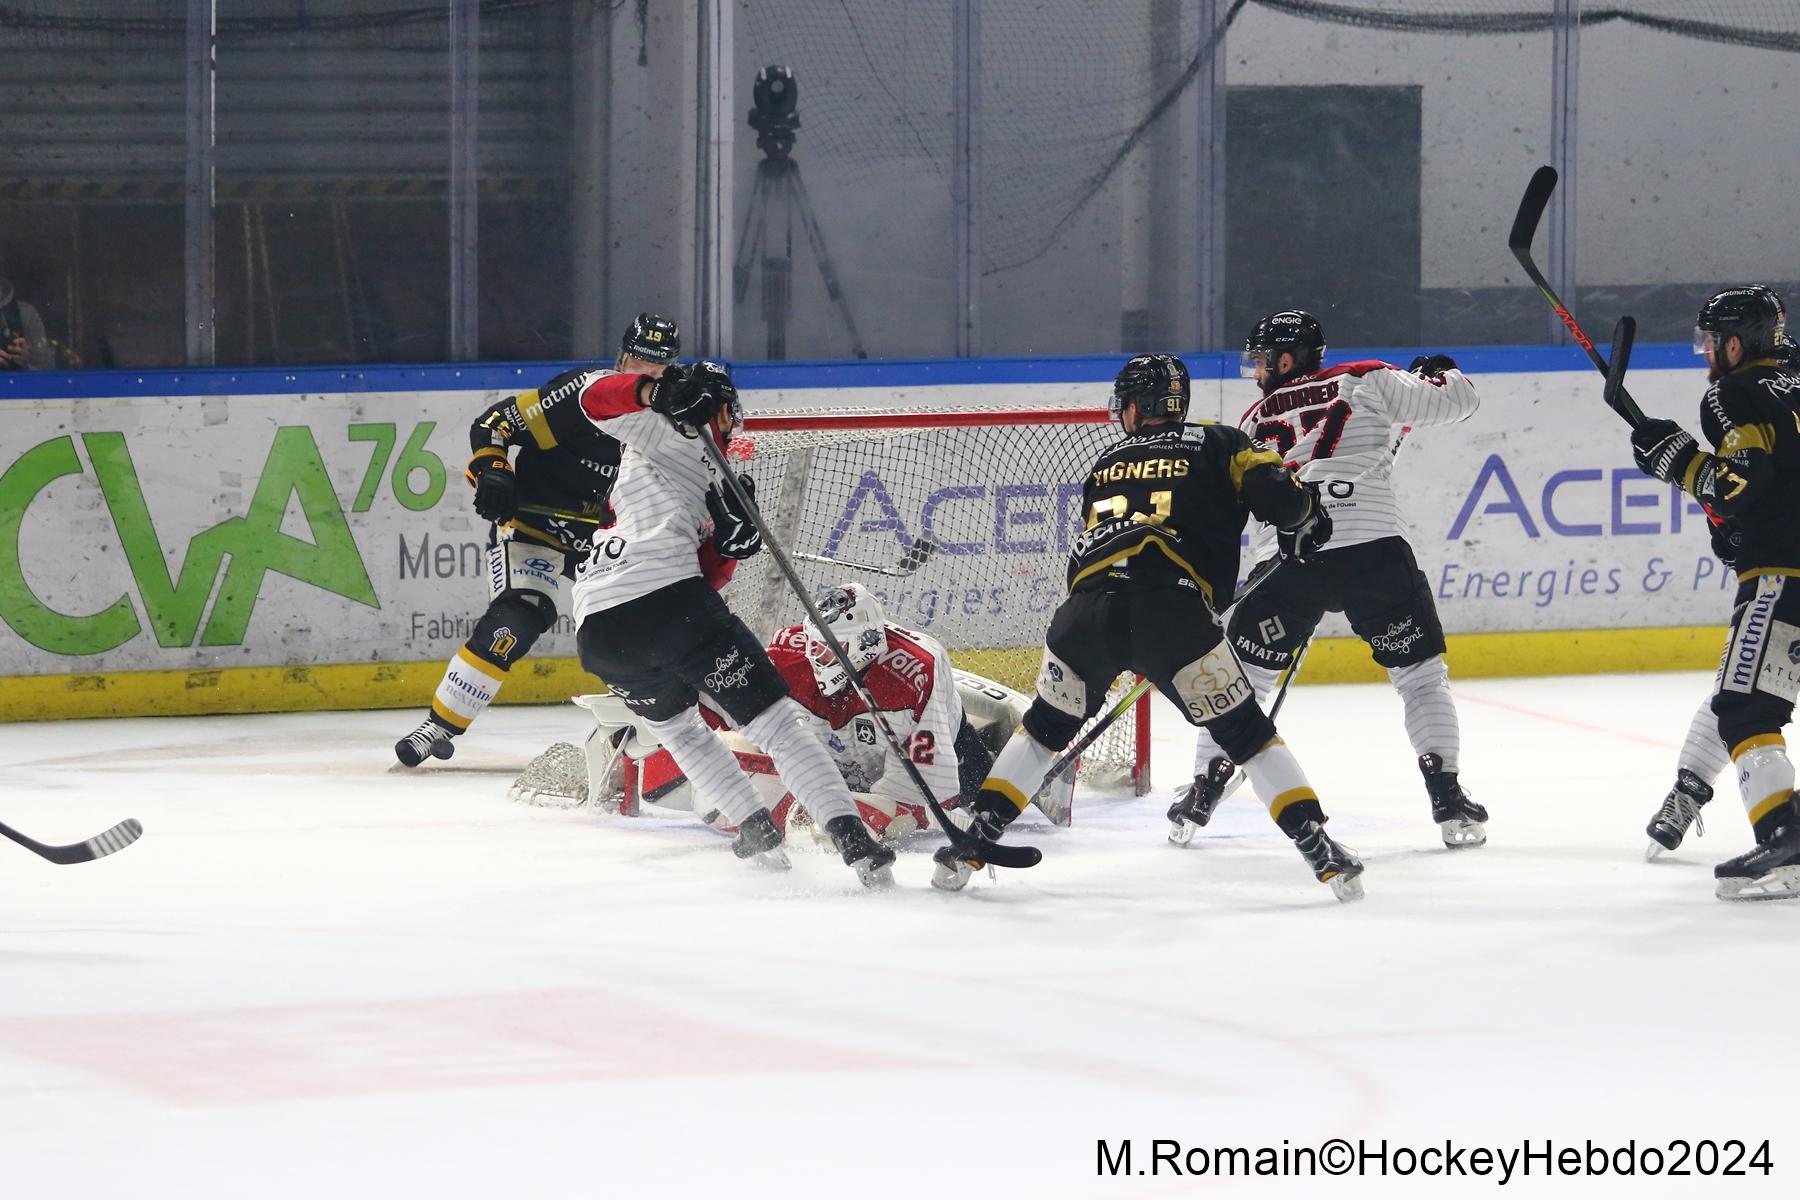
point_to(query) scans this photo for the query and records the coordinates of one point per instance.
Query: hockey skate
(1769, 872)
(759, 839)
(430, 740)
(952, 871)
(872, 861)
(1680, 809)
(1332, 862)
(1461, 821)
(1195, 802)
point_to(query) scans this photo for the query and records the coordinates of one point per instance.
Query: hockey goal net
(993, 494)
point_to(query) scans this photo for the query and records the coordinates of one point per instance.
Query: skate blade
(1462, 835)
(952, 877)
(1654, 850)
(1783, 883)
(1347, 888)
(876, 879)
(1182, 832)
(773, 860)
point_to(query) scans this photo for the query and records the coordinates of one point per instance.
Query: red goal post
(995, 489)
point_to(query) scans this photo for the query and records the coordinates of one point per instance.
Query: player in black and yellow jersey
(1165, 507)
(542, 473)
(1750, 482)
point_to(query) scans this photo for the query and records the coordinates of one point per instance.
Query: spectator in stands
(24, 346)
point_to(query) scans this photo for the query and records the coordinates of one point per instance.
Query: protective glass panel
(91, 154)
(333, 151)
(1685, 190)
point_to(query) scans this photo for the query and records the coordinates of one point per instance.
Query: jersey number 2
(924, 748)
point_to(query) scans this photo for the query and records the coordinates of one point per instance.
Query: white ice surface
(320, 976)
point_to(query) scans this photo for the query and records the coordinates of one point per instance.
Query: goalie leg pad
(783, 730)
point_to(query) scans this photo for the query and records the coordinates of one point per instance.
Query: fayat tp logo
(212, 592)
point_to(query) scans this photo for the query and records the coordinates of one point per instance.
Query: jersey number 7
(1328, 419)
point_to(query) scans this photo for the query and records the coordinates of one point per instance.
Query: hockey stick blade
(1624, 334)
(99, 846)
(1531, 212)
(971, 848)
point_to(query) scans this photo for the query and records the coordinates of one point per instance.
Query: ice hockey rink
(317, 975)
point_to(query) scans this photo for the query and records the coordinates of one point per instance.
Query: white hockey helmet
(855, 617)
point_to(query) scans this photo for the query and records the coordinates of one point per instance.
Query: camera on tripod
(774, 116)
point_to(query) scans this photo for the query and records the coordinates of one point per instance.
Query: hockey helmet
(1156, 385)
(1298, 333)
(856, 619)
(1752, 314)
(651, 338)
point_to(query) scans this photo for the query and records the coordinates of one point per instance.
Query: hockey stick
(567, 514)
(911, 561)
(1067, 762)
(1061, 814)
(996, 853)
(98, 846)
(1624, 334)
(1531, 211)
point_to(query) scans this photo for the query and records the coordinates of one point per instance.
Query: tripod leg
(827, 271)
(751, 237)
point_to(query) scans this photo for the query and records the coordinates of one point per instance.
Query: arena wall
(238, 541)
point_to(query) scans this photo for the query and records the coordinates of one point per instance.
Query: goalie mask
(855, 617)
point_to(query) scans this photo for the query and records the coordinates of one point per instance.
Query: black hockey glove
(693, 395)
(1432, 365)
(496, 492)
(734, 533)
(1313, 531)
(1663, 449)
(1727, 540)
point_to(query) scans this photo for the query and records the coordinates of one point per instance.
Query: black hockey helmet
(1291, 330)
(1156, 385)
(652, 338)
(1785, 351)
(1752, 314)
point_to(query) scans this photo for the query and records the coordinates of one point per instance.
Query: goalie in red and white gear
(951, 722)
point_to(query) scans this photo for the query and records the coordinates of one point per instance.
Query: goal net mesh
(998, 493)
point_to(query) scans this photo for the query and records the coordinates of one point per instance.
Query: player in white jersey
(1340, 427)
(657, 632)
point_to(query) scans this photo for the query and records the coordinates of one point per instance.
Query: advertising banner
(203, 533)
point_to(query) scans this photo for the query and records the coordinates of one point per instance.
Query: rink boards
(247, 541)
